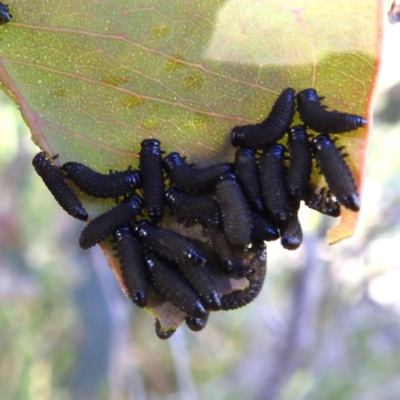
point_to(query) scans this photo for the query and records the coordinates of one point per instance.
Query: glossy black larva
(150, 158)
(236, 215)
(324, 202)
(107, 223)
(5, 15)
(191, 179)
(258, 136)
(273, 183)
(115, 184)
(248, 175)
(300, 163)
(169, 244)
(54, 180)
(133, 270)
(174, 287)
(240, 298)
(316, 117)
(188, 209)
(336, 172)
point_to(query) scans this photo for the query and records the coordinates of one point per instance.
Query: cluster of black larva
(239, 207)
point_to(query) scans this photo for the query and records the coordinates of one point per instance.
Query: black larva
(273, 183)
(54, 180)
(188, 209)
(133, 270)
(152, 178)
(291, 234)
(115, 184)
(5, 15)
(300, 163)
(107, 223)
(316, 117)
(174, 287)
(236, 216)
(336, 172)
(239, 299)
(169, 244)
(323, 202)
(191, 179)
(248, 175)
(272, 129)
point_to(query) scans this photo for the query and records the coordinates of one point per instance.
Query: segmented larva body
(316, 117)
(224, 250)
(54, 180)
(248, 175)
(115, 184)
(291, 234)
(239, 299)
(191, 179)
(323, 202)
(300, 163)
(5, 15)
(236, 215)
(272, 129)
(107, 223)
(263, 229)
(273, 183)
(174, 287)
(201, 209)
(152, 178)
(336, 172)
(133, 269)
(169, 244)
(196, 323)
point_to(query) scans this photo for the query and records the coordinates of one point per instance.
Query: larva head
(298, 132)
(321, 141)
(40, 160)
(196, 323)
(141, 229)
(134, 179)
(307, 96)
(228, 178)
(288, 95)
(151, 146)
(5, 15)
(244, 153)
(163, 333)
(172, 161)
(352, 202)
(276, 149)
(238, 135)
(135, 202)
(122, 232)
(173, 196)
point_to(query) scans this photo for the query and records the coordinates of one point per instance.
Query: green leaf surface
(95, 78)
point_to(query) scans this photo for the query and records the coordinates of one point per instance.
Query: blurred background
(326, 325)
